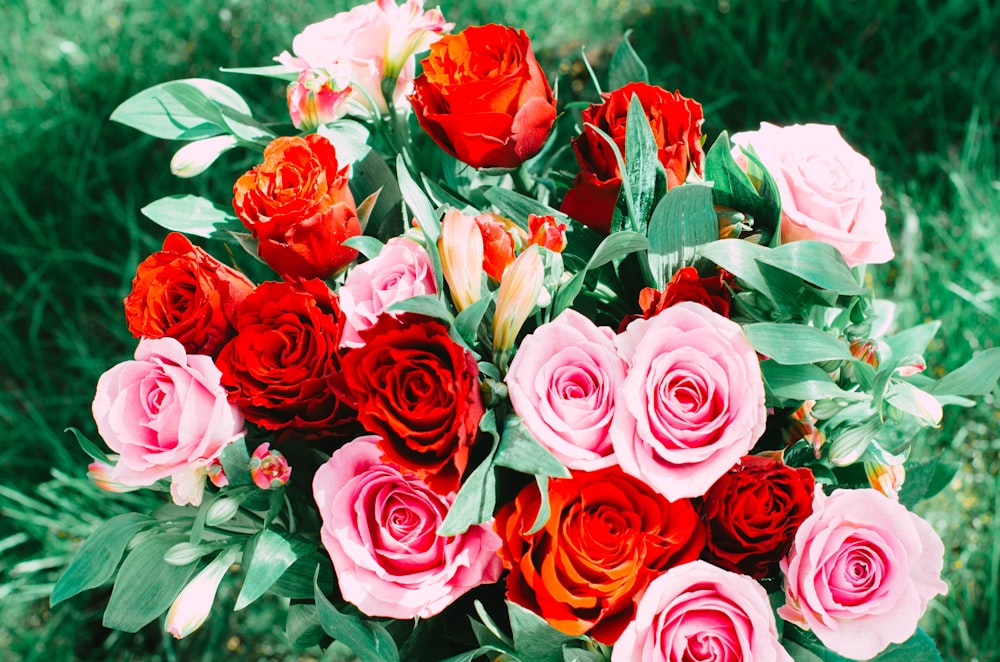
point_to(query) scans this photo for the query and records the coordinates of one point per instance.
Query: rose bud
(483, 98)
(299, 207)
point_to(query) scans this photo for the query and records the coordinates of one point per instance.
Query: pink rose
(692, 403)
(400, 271)
(860, 572)
(167, 416)
(367, 44)
(379, 527)
(697, 611)
(828, 190)
(562, 382)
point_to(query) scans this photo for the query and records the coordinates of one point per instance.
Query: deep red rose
(676, 123)
(607, 537)
(712, 292)
(282, 369)
(753, 512)
(299, 207)
(483, 98)
(419, 390)
(184, 293)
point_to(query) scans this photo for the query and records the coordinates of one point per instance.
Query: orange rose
(184, 293)
(483, 98)
(607, 537)
(298, 206)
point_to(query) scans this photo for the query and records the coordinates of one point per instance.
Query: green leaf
(683, 220)
(238, 122)
(235, 461)
(806, 647)
(418, 202)
(424, 304)
(302, 626)
(279, 71)
(520, 451)
(926, 479)
(733, 188)
(642, 166)
(159, 112)
(534, 638)
(350, 140)
(467, 322)
(370, 247)
(469, 656)
(978, 376)
(96, 560)
(296, 582)
(616, 246)
(913, 340)
(795, 344)
(626, 66)
(368, 640)
(89, 447)
(798, 383)
(146, 585)
(191, 214)
(268, 555)
(814, 262)
(477, 498)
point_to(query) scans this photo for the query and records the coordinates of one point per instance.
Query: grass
(913, 85)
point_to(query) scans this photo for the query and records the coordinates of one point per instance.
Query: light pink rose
(828, 190)
(697, 611)
(167, 416)
(860, 572)
(380, 529)
(400, 271)
(692, 403)
(367, 44)
(562, 383)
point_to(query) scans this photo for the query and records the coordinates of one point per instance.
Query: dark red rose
(299, 207)
(712, 292)
(676, 123)
(282, 369)
(607, 537)
(753, 512)
(419, 390)
(184, 293)
(483, 98)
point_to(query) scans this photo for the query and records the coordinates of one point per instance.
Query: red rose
(299, 207)
(607, 537)
(712, 292)
(281, 369)
(184, 293)
(676, 123)
(753, 512)
(483, 98)
(418, 390)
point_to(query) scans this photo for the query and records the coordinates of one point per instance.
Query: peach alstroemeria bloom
(518, 294)
(99, 474)
(547, 233)
(373, 46)
(316, 98)
(502, 240)
(885, 478)
(461, 248)
(193, 605)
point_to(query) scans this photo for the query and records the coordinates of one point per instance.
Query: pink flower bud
(195, 157)
(100, 474)
(269, 469)
(316, 99)
(193, 605)
(216, 474)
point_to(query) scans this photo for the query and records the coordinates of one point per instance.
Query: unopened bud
(195, 157)
(269, 469)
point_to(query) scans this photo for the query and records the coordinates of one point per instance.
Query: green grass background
(915, 85)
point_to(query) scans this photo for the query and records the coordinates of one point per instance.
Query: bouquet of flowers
(526, 380)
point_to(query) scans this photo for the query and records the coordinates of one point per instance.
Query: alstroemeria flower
(461, 248)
